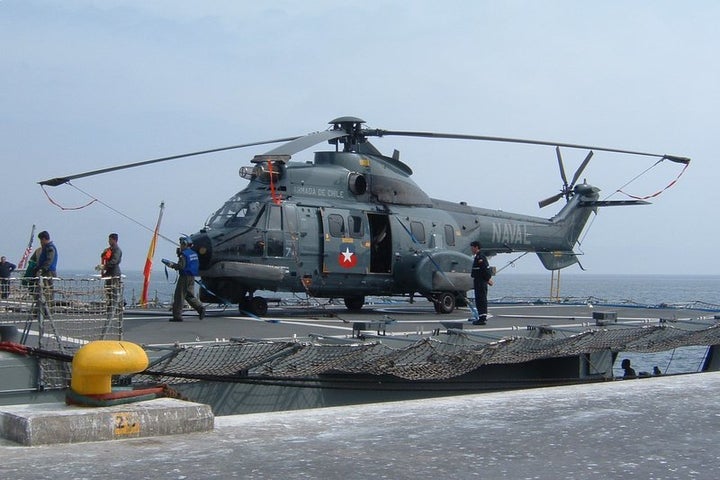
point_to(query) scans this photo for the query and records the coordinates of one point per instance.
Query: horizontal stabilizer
(557, 260)
(611, 203)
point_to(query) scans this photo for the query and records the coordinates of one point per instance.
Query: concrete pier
(661, 427)
(54, 423)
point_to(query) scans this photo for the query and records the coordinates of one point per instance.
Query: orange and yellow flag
(149, 261)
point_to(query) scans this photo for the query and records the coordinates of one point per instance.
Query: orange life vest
(105, 256)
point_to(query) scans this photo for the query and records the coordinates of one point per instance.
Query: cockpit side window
(274, 232)
(275, 218)
(236, 212)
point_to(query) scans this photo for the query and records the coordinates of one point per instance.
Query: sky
(88, 84)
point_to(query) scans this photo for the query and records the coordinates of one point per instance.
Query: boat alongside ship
(315, 355)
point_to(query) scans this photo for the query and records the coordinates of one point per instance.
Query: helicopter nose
(203, 246)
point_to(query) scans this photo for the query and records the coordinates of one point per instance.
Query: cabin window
(449, 236)
(336, 225)
(418, 231)
(355, 226)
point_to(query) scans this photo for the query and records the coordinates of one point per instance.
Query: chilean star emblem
(347, 258)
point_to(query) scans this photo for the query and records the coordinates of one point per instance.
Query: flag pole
(148, 262)
(28, 250)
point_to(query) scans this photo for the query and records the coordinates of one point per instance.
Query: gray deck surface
(410, 320)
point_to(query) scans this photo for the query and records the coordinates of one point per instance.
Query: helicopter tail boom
(575, 217)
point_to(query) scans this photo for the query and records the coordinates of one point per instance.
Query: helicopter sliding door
(310, 241)
(346, 245)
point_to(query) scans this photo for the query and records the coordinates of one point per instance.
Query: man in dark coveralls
(6, 268)
(482, 277)
(47, 263)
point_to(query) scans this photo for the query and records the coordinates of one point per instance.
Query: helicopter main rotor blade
(382, 133)
(299, 144)
(54, 182)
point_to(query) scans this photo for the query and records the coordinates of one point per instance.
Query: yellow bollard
(94, 365)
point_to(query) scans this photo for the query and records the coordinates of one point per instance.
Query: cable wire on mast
(94, 200)
(653, 195)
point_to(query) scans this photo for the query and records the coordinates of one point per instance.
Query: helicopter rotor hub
(352, 126)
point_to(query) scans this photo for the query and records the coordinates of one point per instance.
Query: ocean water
(640, 289)
(695, 290)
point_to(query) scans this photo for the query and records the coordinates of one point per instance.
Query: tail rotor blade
(550, 200)
(562, 167)
(580, 169)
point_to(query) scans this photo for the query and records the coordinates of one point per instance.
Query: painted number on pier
(126, 424)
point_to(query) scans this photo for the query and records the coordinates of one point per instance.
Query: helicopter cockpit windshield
(236, 212)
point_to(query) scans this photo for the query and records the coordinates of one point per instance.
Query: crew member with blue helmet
(188, 267)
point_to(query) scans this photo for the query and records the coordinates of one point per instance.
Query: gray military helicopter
(352, 223)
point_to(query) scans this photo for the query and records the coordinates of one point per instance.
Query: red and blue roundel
(347, 258)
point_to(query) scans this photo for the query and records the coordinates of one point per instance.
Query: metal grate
(61, 315)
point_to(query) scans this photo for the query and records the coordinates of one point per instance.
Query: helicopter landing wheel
(444, 302)
(354, 303)
(243, 305)
(258, 306)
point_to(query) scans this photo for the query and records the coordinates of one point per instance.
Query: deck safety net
(57, 316)
(431, 358)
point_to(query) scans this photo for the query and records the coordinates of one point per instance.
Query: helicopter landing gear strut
(255, 305)
(444, 302)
